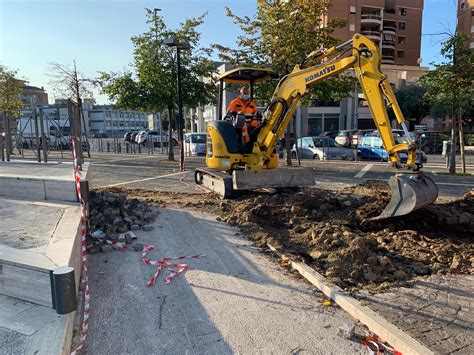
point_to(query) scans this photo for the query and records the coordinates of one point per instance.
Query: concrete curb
(378, 325)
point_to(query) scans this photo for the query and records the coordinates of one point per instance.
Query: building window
(463, 5)
(401, 40)
(400, 54)
(402, 25)
(471, 45)
(352, 27)
(353, 9)
(402, 11)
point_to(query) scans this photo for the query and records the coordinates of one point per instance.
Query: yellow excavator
(234, 165)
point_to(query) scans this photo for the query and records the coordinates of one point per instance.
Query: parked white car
(321, 148)
(195, 144)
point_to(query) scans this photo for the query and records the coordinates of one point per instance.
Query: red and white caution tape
(375, 346)
(85, 278)
(174, 268)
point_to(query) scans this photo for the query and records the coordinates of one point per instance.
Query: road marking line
(454, 184)
(123, 166)
(363, 171)
(146, 179)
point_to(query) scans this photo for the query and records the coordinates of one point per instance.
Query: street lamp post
(179, 46)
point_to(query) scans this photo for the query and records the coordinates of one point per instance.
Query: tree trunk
(461, 142)
(170, 134)
(81, 110)
(452, 157)
(8, 135)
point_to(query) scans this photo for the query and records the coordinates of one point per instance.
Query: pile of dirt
(329, 231)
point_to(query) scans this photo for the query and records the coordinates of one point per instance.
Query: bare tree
(71, 84)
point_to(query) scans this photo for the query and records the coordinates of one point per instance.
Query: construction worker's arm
(232, 109)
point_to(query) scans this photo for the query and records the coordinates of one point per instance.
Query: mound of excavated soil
(329, 231)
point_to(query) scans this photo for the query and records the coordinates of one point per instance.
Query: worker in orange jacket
(244, 105)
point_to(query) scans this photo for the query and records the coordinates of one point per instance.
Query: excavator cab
(248, 76)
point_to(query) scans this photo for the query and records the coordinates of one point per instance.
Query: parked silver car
(195, 144)
(321, 148)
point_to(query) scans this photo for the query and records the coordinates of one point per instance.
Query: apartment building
(32, 95)
(115, 122)
(394, 25)
(466, 19)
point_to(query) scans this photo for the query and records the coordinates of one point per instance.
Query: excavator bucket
(409, 193)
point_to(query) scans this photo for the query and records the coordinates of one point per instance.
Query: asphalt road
(154, 172)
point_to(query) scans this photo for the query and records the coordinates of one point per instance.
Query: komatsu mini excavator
(234, 165)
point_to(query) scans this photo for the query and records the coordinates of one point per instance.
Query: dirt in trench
(326, 230)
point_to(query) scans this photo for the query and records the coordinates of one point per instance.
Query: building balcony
(390, 30)
(371, 18)
(388, 59)
(388, 44)
(373, 35)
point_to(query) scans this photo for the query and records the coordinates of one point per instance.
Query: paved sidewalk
(234, 300)
(438, 311)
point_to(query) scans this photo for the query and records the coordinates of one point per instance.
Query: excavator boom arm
(365, 60)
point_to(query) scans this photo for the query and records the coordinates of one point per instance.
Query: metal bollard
(63, 289)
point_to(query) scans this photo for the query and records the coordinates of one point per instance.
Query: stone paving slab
(36, 237)
(438, 311)
(28, 328)
(25, 227)
(40, 181)
(234, 300)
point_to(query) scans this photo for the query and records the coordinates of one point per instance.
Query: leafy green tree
(279, 35)
(450, 84)
(10, 92)
(411, 99)
(151, 83)
(10, 101)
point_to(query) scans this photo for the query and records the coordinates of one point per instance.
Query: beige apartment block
(394, 25)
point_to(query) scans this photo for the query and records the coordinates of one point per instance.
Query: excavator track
(215, 180)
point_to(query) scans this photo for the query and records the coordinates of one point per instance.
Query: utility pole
(38, 148)
(8, 137)
(180, 120)
(454, 118)
(43, 137)
(180, 111)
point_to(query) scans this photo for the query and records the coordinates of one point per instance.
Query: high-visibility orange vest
(247, 107)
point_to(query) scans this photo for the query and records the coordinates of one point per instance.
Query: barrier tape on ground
(85, 278)
(375, 346)
(174, 268)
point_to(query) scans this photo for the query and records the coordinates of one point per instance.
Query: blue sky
(97, 33)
